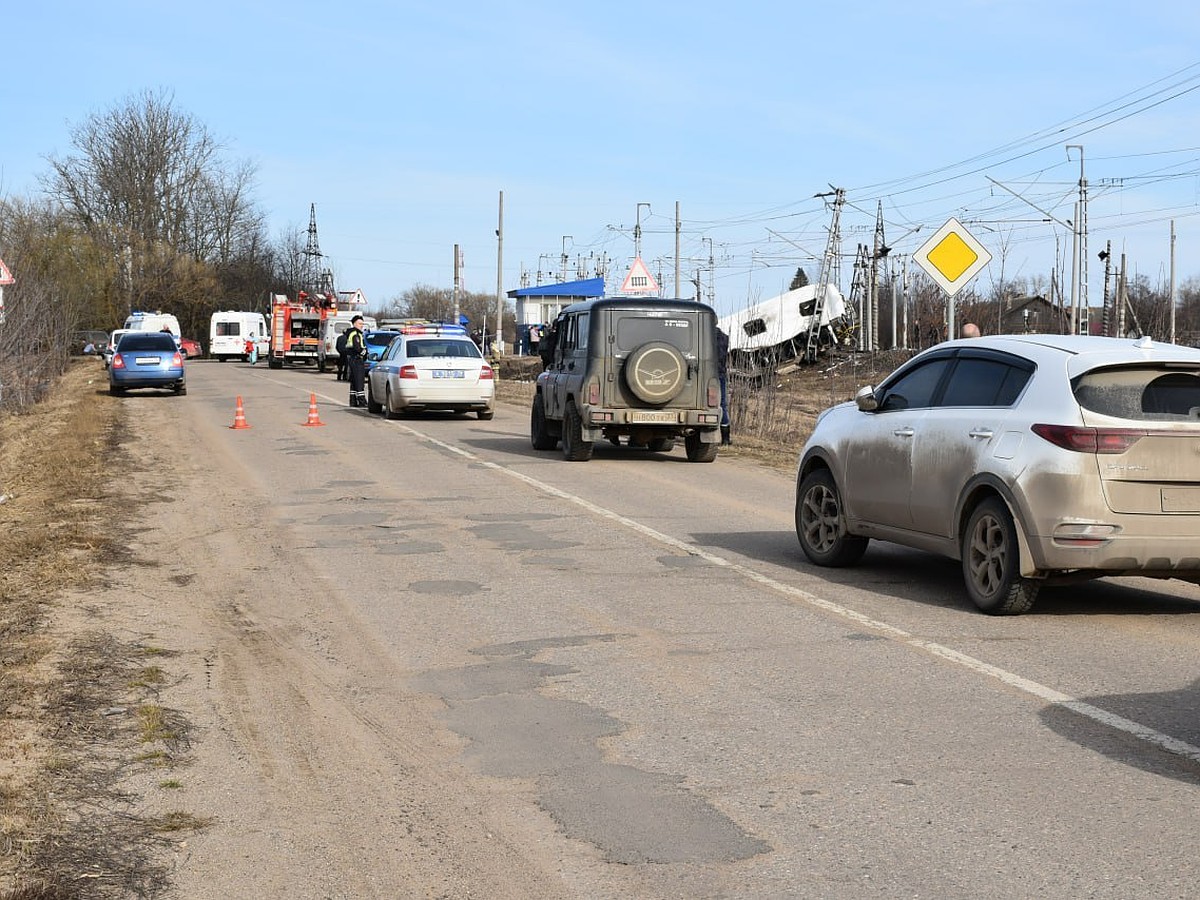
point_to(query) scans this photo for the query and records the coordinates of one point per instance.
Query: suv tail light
(1090, 440)
(593, 395)
(714, 392)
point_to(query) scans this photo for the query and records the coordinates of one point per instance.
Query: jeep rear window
(633, 331)
(1149, 393)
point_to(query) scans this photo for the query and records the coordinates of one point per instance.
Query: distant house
(1035, 315)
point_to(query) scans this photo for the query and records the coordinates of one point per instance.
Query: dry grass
(71, 707)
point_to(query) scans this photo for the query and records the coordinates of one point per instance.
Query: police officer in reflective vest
(356, 361)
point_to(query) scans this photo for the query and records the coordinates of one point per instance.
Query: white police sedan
(431, 367)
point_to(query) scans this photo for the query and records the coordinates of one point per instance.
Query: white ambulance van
(229, 330)
(155, 321)
(331, 328)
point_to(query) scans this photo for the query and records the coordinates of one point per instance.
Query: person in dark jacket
(356, 362)
(340, 346)
(722, 346)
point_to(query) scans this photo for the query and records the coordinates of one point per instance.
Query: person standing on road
(721, 342)
(340, 346)
(356, 360)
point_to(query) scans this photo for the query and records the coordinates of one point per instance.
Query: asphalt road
(625, 680)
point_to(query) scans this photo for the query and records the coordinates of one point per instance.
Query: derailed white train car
(774, 331)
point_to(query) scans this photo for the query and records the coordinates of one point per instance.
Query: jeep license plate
(651, 417)
(447, 373)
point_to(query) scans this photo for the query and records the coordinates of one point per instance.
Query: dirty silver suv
(635, 368)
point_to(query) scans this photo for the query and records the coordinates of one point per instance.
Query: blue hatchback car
(377, 343)
(146, 359)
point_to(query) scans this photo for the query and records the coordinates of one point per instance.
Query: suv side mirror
(866, 399)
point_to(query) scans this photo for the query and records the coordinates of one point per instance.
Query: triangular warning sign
(5, 275)
(639, 280)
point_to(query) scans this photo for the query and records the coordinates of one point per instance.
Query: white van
(155, 321)
(229, 330)
(331, 328)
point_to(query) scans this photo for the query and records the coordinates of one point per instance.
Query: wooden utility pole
(457, 275)
(677, 227)
(498, 343)
(1173, 281)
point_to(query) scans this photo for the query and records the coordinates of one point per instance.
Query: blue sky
(403, 121)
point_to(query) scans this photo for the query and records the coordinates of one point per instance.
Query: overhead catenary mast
(829, 265)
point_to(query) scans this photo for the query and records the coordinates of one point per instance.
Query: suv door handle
(903, 432)
(985, 433)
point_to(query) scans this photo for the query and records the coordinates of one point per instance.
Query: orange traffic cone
(313, 418)
(239, 416)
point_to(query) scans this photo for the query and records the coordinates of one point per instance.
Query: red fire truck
(296, 327)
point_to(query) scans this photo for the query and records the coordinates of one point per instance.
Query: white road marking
(1033, 688)
(1049, 695)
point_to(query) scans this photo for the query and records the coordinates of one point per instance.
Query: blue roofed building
(537, 307)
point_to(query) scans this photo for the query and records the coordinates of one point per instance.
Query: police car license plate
(447, 373)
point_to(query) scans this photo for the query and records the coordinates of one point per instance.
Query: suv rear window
(1147, 393)
(633, 331)
(153, 340)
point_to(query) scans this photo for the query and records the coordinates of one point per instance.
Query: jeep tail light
(1090, 440)
(118, 362)
(408, 371)
(714, 393)
(486, 373)
(593, 397)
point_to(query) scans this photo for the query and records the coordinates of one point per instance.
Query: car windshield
(146, 341)
(1152, 393)
(443, 347)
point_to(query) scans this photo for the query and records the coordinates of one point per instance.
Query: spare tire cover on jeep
(655, 372)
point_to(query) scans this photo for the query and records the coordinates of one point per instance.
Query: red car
(190, 349)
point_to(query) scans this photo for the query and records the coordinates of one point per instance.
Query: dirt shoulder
(79, 706)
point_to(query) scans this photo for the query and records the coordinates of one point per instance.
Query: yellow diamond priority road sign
(952, 257)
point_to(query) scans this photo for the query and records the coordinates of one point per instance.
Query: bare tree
(62, 284)
(148, 182)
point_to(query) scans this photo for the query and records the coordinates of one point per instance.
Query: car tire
(373, 406)
(486, 414)
(991, 562)
(274, 363)
(115, 391)
(539, 434)
(574, 447)
(821, 523)
(321, 366)
(698, 451)
(388, 412)
(655, 372)
(181, 390)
